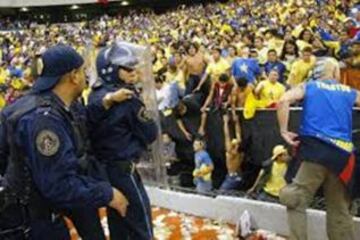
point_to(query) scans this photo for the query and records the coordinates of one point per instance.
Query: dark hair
(200, 138)
(241, 82)
(159, 78)
(254, 50)
(192, 45)
(283, 51)
(217, 49)
(307, 49)
(301, 36)
(178, 107)
(174, 45)
(272, 31)
(272, 51)
(161, 50)
(223, 78)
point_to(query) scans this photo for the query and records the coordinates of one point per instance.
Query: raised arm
(183, 129)
(226, 132)
(209, 97)
(283, 111)
(258, 89)
(237, 128)
(202, 81)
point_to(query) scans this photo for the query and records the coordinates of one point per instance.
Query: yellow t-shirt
(302, 44)
(157, 66)
(2, 101)
(4, 74)
(300, 71)
(262, 58)
(276, 181)
(215, 69)
(17, 83)
(177, 76)
(225, 28)
(297, 30)
(271, 92)
(276, 44)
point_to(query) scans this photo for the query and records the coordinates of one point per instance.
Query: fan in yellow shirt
(270, 91)
(215, 68)
(266, 94)
(2, 98)
(175, 74)
(301, 68)
(4, 73)
(271, 179)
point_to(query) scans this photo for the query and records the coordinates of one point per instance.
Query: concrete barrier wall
(266, 216)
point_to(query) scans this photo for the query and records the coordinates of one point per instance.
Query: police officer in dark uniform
(83, 219)
(120, 137)
(42, 175)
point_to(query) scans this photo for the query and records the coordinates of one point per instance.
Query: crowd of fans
(241, 53)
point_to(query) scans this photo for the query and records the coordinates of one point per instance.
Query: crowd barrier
(259, 135)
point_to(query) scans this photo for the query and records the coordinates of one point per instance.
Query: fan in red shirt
(219, 97)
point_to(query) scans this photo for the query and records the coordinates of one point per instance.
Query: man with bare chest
(194, 68)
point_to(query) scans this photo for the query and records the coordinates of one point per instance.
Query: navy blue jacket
(46, 137)
(124, 132)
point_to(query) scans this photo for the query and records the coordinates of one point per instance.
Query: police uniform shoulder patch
(47, 143)
(144, 115)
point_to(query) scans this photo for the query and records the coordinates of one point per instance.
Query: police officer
(326, 150)
(120, 137)
(44, 142)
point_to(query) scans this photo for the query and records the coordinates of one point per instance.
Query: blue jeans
(231, 182)
(192, 82)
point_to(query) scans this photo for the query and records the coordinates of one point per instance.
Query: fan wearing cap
(121, 137)
(271, 178)
(42, 130)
